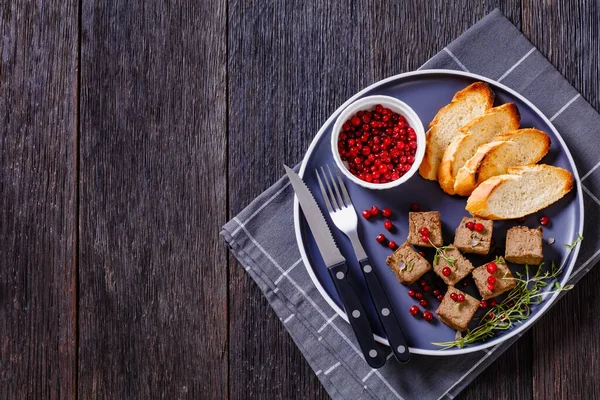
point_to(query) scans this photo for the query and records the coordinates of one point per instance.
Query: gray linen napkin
(263, 239)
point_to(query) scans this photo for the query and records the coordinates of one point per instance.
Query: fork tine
(343, 186)
(331, 195)
(323, 192)
(335, 186)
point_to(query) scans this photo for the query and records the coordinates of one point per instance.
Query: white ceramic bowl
(369, 103)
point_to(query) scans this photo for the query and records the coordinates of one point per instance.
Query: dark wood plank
(153, 271)
(566, 341)
(291, 64)
(407, 34)
(38, 107)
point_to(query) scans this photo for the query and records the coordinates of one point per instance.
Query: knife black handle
(385, 312)
(373, 354)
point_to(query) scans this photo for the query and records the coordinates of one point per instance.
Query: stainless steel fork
(343, 214)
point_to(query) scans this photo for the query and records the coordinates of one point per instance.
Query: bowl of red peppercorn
(378, 142)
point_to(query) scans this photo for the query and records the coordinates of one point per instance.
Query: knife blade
(338, 270)
(318, 226)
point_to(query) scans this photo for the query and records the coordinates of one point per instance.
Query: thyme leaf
(441, 252)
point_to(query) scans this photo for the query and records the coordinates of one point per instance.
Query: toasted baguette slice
(478, 131)
(512, 149)
(523, 191)
(467, 104)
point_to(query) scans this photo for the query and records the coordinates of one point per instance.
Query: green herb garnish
(516, 307)
(441, 252)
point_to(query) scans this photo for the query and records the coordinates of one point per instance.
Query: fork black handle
(385, 312)
(373, 354)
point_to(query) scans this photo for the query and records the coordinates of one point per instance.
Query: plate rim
(301, 246)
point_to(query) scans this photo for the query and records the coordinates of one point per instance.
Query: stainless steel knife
(338, 269)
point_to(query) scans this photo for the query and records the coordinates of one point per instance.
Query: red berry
(366, 214)
(424, 231)
(386, 212)
(454, 296)
(492, 267)
(355, 121)
(470, 225)
(426, 288)
(414, 311)
(544, 220)
(414, 206)
(418, 295)
(492, 303)
(490, 315)
(478, 227)
(483, 304)
(440, 297)
(425, 239)
(427, 316)
(423, 303)
(460, 297)
(490, 287)
(392, 245)
(436, 292)
(491, 280)
(422, 283)
(446, 271)
(411, 293)
(388, 225)
(380, 238)
(374, 211)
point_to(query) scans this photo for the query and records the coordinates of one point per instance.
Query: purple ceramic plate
(426, 92)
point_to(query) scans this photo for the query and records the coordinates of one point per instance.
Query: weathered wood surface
(116, 177)
(152, 269)
(38, 61)
(567, 340)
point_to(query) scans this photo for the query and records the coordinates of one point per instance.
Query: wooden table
(131, 133)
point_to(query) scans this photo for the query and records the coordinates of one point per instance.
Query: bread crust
(477, 203)
(468, 177)
(430, 164)
(447, 172)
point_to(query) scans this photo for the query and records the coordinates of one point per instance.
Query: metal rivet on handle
(356, 313)
(340, 275)
(401, 349)
(373, 353)
(385, 312)
(367, 268)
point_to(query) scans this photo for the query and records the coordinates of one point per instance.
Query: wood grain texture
(291, 64)
(37, 199)
(408, 33)
(567, 340)
(188, 109)
(153, 293)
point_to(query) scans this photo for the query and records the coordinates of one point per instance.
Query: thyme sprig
(441, 252)
(516, 307)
